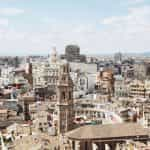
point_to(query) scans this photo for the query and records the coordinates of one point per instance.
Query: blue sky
(97, 26)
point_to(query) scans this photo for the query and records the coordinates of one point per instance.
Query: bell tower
(53, 56)
(65, 100)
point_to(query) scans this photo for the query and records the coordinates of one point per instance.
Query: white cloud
(137, 18)
(130, 32)
(3, 22)
(135, 1)
(11, 11)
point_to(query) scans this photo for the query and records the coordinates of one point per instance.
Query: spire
(53, 55)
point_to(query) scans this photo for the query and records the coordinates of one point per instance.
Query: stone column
(77, 145)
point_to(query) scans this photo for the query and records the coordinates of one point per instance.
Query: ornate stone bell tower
(65, 100)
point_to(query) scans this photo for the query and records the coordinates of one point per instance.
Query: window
(63, 95)
(64, 69)
(70, 95)
(45, 123)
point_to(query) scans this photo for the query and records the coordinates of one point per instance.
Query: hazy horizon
(47, 53)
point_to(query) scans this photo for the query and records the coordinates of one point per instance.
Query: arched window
(63, 95)
(70, 95)
(64, 69)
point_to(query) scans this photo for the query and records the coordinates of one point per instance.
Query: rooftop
(109, 131)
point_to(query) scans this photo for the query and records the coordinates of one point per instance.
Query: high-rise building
(45, 74)
(72, 54)
(142, 70)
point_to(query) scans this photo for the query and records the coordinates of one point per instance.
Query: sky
(97, 26)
